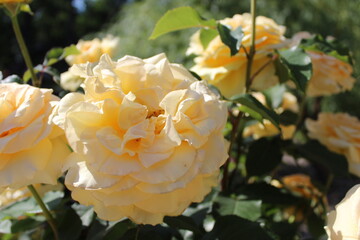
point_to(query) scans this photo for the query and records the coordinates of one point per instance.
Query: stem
(262, 68)
(46, 212)
(24, 50)
(252, 46)
(250, 56)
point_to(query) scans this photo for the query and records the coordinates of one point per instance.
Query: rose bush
(215, 64)
(32, 149)
(147, 139)
(343, 222)
(340, 133)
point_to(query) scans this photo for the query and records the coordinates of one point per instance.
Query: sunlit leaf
(231, 38)
(180, 18)
(252, 103)
(299, 66)
(248, 209)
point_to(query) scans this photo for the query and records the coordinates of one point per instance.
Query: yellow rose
(32, 149)
(343, 222)
(300, 185)
(268, 129)
(340, 133)
(147, 139)
(228, 73)
(330, 75)
(91, 51)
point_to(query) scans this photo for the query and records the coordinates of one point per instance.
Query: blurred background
(63, 22)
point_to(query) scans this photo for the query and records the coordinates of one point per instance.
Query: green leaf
(268, 194)
(12, 79)
(256, 106)
(69, 225)
(330, 47)
(183, 222)
(264, 155)
(26, 8)
(86, 213)
(315, 152)
(233, 227)
(274, 96)
(27, 75)
(288, 117)
(5, 226)
(24, 225)
(70, 50)
(248, 209)
(254, 114)
(299, 66)
(180, 18)
(118, 230)
(281, 71)
(230, 38)
(206, 35)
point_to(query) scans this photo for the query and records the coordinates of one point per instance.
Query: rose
(91, 51)
(228, 73)
(301, 186)
(267, 129)
(340, 133)
(330, 75)
(32, 149)
(147, 139)
(70, 81)
(343, 222)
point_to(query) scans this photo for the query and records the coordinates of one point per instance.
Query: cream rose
(228, 73)
(267, 129)
(147, 139)
(70, 81)
(32, 149)
(91, 51)
(343, 223)
(340, 133)
(330, 75)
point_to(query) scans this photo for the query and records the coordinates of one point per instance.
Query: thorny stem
(234, 132)
(24, 50)
(46, 211)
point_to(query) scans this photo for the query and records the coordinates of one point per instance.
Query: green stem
(46, 212)
(234, 133)
(24, 50)
(252, 46)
